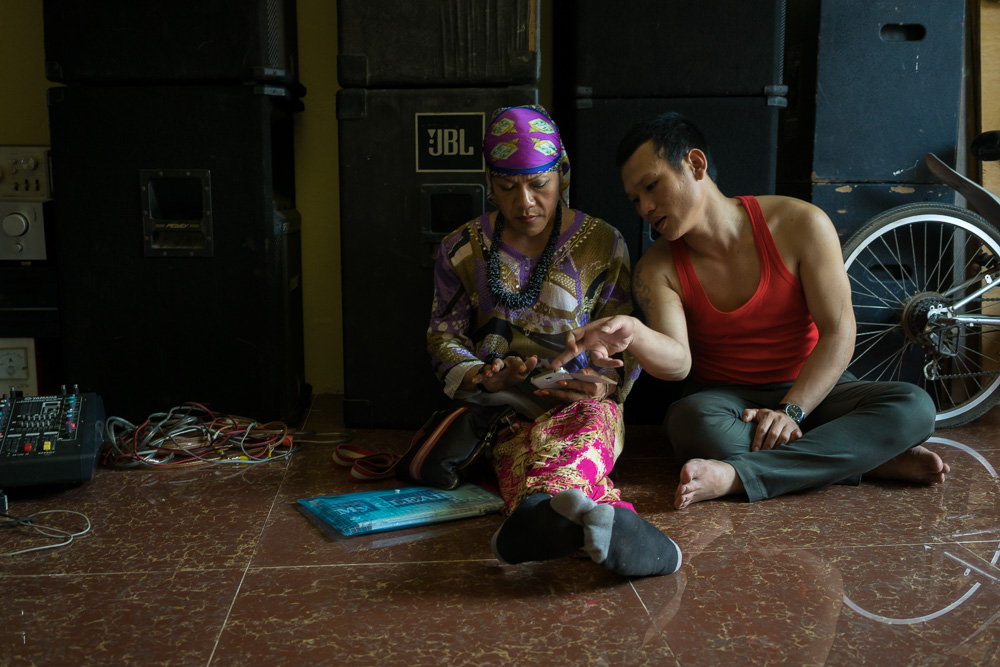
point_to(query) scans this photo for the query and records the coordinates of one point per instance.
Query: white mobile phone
(551, 379)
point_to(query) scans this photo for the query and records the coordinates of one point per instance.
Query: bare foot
(704, 479)
(918, 464)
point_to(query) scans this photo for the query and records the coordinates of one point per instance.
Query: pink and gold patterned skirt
(571, 446)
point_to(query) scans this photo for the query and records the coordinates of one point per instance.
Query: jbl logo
(449, 141)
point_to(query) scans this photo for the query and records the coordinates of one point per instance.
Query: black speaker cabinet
(178, 248)
(152, 41)
(652, 48)
(411, 170)
(873, 87)
(741, 133)
(851, 205)
(437, 43)
(28, 300)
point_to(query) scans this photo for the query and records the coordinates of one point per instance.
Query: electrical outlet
(17, 365)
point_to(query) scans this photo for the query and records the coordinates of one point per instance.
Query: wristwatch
(793, 411)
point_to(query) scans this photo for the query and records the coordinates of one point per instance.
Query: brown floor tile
(883, 573)
(894, 605)
(150, 618)
(151, 520)
(476, 613)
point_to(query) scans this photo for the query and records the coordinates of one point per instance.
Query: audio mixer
(49, 439)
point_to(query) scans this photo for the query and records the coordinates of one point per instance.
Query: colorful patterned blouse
(589, 279)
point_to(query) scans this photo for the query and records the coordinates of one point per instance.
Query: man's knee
(698, 427)
(910, 407)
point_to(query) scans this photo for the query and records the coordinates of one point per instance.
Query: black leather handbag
(441, 453)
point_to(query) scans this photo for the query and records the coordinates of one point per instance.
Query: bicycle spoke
(892, 255)
(876, 329)
(936, 270)
(967, 380)
(889, 367)
(977, 357)
(864, 290)
(875, 306)
(902, 265)
(870, 347)
(973, 254)
(882, 305)
(899, 363)
(875, 336)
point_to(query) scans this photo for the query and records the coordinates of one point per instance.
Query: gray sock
(596, 520)
(573, 504)
(598, 531)
(618, 538)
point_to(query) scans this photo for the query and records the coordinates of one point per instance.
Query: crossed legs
(861, 428)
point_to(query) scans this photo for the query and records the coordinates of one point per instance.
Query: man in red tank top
(749, 296)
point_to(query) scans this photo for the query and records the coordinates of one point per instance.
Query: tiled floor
(217, 567)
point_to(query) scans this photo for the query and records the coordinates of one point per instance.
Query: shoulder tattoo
(640, 290)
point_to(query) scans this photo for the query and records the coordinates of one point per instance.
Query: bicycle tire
(900, 265)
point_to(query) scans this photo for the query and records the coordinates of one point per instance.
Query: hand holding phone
(551, 379)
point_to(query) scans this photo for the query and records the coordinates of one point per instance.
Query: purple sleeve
(448, 341)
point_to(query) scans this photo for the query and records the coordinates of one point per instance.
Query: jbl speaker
(153, 41)
(652, 48)
(876, 85)
(437, 43)
(411, 170)
(741, 133)
(177, 248)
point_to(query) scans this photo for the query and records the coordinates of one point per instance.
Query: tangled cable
(31, 524)
(190, 435)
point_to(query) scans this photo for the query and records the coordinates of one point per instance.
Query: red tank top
(768, 338)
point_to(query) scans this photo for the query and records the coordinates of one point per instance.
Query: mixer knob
(15, 225)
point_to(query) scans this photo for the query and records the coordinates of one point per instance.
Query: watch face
(794, 411)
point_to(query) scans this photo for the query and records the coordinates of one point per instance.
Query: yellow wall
(317, 196)
(24, 118)
(989, 84)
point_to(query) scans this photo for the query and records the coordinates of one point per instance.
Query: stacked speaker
(419, 80)
(873, 87)
(175, 231)
(617, 64)
(719, 64)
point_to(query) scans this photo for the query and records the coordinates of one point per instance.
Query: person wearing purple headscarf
(508, 285)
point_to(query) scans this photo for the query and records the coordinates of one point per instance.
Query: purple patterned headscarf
(525, 140)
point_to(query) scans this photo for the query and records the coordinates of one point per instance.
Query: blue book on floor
(392, 509)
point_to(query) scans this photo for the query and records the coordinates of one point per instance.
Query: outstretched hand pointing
(601, 338)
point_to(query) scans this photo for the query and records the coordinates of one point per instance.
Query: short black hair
(673, 136)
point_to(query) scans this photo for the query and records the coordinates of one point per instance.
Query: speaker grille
(275, 30)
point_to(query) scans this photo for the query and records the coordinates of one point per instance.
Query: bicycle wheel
(908, 267)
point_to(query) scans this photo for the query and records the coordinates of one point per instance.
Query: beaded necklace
(523, 299)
